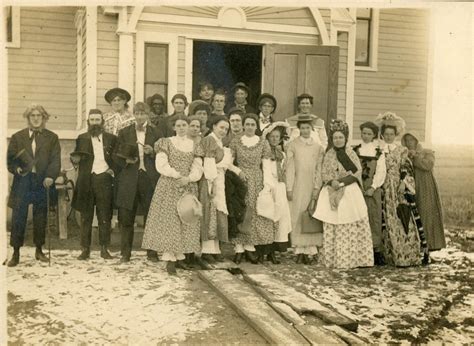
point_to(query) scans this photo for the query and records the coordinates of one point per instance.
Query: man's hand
(75, 159)
(131, 161)
(370, 191)
(335, 184)
(47, 182)
(147, 149)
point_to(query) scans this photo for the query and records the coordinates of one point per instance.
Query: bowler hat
(189, 209)
(127, 151)
(240, 85)
(24, 160)
(112, 93)
(83, 147)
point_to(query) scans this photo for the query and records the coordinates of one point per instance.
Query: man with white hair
(34, 159)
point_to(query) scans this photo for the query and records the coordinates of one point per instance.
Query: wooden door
(293, 70)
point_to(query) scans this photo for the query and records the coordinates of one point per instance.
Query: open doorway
(224, 64)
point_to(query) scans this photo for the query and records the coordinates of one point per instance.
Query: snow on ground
(419, 304)
(101, 302)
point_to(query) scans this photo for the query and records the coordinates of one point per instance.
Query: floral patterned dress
(401, 245)
(347, 238)
(164, 231)
(256, 229)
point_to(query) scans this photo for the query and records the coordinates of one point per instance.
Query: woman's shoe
(272, 257)
(171, 268)
(238, 257)
(299, 258)
(426, 259)
(182, 265)
(250, 256)
(208, 258)
(218, 257)
(307, 259)
(260, 258)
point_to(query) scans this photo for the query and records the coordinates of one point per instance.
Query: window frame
(15, 42)
(373, 42)
(166, 82)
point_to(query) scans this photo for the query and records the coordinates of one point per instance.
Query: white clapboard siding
(400, 83)
(43, 69)
(107, 57)
(190, 11)
(181, 65)
(342, 40)
(84, 69)
(296, 16)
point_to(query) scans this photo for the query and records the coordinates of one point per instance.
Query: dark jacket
(82, 192)
(127, 178)
(47, 161)
(235, 192)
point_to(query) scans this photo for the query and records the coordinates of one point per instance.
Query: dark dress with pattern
(164, 231)
(255, 229)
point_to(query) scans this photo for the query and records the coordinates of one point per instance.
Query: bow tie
(35, 133)
(265, 120)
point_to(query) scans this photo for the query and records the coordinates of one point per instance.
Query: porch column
(125, 68)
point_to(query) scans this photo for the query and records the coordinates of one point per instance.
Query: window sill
(366, 68)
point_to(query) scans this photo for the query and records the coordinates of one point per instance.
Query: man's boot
(15, 258)
(39, 255)
(104, 253)
(84, 254)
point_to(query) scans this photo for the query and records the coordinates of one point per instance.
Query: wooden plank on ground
(275, 290)
(253, 308)
(349, 337)
(319, 336)
(287, 313)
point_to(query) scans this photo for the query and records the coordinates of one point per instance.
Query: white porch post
(91, 58)
(125, 72)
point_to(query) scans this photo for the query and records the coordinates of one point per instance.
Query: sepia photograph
(236, 172)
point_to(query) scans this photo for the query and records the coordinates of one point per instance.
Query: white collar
(218, 141)
(307, 140)
(249, 141)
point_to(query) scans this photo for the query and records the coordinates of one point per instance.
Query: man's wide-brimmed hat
(240, 85)
(83, 147)
(112, 93)
(189, 209)
(25, 160)
(127, 151)
(293, 120)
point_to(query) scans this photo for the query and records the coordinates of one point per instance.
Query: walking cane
(48, 225)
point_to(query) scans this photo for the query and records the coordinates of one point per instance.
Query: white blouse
(369, 149)
(183, 144)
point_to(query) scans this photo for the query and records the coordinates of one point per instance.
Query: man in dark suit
(138, 176)
(94, 185)
(34, 159)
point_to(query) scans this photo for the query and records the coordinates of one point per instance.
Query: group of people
(225, 172)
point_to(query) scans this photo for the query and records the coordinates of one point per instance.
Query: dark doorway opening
(224, 64)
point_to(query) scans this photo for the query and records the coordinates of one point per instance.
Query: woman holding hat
(212, 190)
(427, 196)
(303, 182)
(275, 134)
(252, 159)
(266, 104)
(119, 117)
(347, 239)
(172, 228)
(240, 91)
(305, 104)
(400, 231)
(372, 159)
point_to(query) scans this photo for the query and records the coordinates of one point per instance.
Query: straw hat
(189, 209)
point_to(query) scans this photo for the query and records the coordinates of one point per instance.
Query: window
(12, 25)
(366, 39)
(156, 70)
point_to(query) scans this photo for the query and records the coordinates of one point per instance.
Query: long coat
(127, 178)
(47, 161)
(82, 192)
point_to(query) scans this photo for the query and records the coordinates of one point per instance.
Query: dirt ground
(106, 302)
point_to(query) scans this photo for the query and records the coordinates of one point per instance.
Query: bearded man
(34, 159)
(94, 186)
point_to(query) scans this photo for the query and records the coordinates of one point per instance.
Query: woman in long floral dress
(347, 238)
(402, 246)
(252, 159)
(179, 162)
(217, 159)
